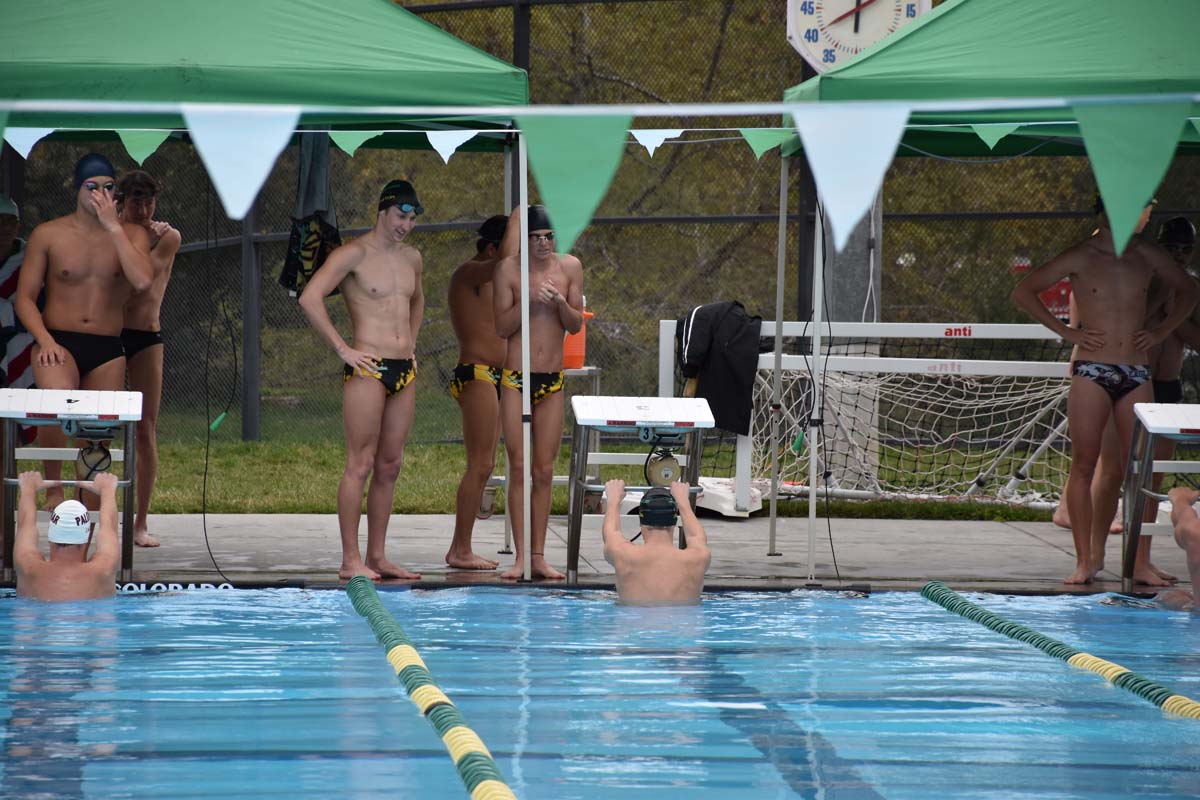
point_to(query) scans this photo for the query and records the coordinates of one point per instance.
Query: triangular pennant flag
(1196, 125)
(763, 139)
(1130, 147)
(239, 147)
(446, 142)
(653, 138)
(350, 141)
(849, 150)
(573, 160)
(141, 144)
(992, 133)
(23, 139)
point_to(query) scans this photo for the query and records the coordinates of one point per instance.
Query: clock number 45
(807, 7)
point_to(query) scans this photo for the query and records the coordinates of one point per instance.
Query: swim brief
(1116, 379)
(136, 341)
(90, 350)
(1168, 391)
(544, 383)
(393, 373)
(464, 373)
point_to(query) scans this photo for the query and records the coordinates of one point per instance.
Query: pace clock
(829, 32)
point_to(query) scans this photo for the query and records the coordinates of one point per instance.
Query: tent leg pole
(814, 434)
(526, 405)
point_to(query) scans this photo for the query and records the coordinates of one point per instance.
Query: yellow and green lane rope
(475, 764)
(1144, 688)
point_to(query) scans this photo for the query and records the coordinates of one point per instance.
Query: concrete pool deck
(302, 549)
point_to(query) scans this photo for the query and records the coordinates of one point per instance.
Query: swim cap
(539, 220)
(400, 193)
(70, 523)
(492, 230)
(658, 509)
(93, 165)
(1177, 231)
(8, 207)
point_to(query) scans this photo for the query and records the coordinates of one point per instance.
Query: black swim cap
(492, 230)
(93, 165)
(400, 193)
(1177, 231)
(658, 509)
(539, 220)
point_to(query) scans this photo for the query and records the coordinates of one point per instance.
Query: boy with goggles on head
(656, 573)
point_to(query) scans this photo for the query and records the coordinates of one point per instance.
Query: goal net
(934, 411)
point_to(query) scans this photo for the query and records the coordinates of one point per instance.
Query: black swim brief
(1168, 391)
(136, 341)
(1116, 379)
(90, 350)
(544, 383)
(464, 373)
(393, 373)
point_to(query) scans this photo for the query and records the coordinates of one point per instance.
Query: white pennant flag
(653, 138)
(446, 142)
(238, 147)
(23, 139)
(849, 150)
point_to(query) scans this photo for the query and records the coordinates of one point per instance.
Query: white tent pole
(813, 442)
(526, 412)
(777, 382)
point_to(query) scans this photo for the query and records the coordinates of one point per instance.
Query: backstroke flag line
(350, 141)
(992, 133)
(446, 142)
(23, 139)
(1130, 148)
(849, 151)
(239, 148)
(652, 138)
(141, 144)
(573, 160)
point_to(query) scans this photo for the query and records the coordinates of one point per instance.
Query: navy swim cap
(400, 193)
(1177, 231)
(93, 165)
(492, 230)
(539, 220)
(658, 509)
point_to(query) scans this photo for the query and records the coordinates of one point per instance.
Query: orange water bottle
(575, 345)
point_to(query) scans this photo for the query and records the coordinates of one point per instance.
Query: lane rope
(475, 764)
(1156, 693)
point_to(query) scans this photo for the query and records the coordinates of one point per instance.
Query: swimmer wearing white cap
(68, 574)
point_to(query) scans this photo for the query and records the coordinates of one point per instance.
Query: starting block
(652, 420)
(1152, 422)
(82, 414)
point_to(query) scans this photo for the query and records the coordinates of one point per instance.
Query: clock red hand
(850, 13)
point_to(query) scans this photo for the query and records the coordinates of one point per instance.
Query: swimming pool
(285, 693)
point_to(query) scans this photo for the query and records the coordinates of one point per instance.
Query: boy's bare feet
(469, 560)
(387, 569)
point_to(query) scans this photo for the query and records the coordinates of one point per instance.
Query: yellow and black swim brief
(465, 373)
(393, 373)
(544, 383)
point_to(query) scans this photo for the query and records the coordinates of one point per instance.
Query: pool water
(285, 693)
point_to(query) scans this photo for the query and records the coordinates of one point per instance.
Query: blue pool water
(285, 693)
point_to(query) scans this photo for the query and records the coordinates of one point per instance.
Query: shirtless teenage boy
(68, 574)
(380, 279)
(476, 384)
(90, 264)
(1110, 372)
(656, 573)
(555, 309)
(142, 335)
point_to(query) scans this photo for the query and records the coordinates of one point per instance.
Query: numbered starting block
(1153, 422)
(90, 415)
(657, 422)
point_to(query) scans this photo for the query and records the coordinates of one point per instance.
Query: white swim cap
(70, 523)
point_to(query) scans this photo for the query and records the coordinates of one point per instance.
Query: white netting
(929, 435)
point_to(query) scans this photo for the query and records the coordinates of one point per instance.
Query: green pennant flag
(993, 133)
(574, 160)
(349, 141)
(763, 139)
(141, 144)
(1130, 147)
(1195, 124)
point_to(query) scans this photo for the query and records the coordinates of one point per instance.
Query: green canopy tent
(1026, 74)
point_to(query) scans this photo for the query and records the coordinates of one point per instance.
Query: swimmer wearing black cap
(475, 385)
(379, 275)
(555, 309)
(656, 573)
(90, 263)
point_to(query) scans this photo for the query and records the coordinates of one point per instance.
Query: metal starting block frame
(649, 418)
(82, 414)
(1152, 422)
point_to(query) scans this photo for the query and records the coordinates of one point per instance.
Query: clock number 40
(812, 35)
